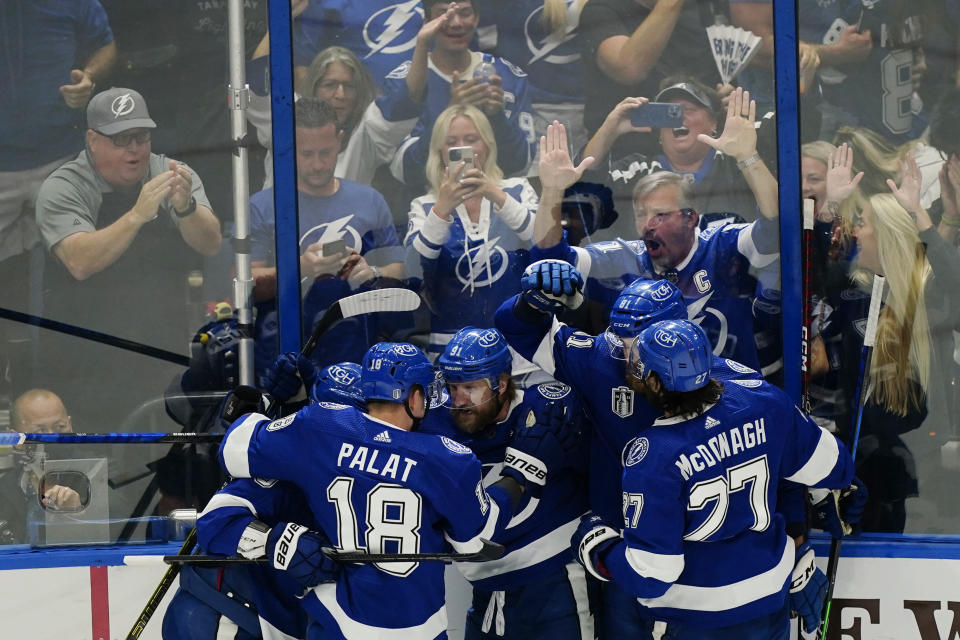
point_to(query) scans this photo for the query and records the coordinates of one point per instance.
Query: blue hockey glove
(839, 517)
(545, 444)
(808, 589)
(591, 539)
(551, 285)
(297, 550)
(289, 375)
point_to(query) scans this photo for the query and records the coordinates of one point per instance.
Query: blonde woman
(471, 233)
(895, 238)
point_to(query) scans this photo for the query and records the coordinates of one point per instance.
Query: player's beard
(640, 387)
(477, 418)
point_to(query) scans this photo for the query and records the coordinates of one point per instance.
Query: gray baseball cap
(116, 110)
(688, 91)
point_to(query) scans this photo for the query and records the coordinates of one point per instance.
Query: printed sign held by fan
(733, 48)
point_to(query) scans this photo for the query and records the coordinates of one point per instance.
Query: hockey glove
(590, 541)
(551, 285)
(808, 589)
(241, 401)
(289, 377)
(297, 550)
(546, 443)
(839, 512)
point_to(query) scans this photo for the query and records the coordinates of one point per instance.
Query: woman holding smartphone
(471, 233)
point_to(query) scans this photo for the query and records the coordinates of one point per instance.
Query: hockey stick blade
(490, 551)
(375, 301)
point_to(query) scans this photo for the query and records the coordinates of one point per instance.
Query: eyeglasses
(330, 86)
(127, 137)
(657, 218)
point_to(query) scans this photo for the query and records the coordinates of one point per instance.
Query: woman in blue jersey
(471, 233)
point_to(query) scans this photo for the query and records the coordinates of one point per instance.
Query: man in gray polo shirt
(124, 226)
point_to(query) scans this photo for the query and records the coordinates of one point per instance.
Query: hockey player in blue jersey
(446, 75)
(712, 267)
(595, 366)
(413, 492)
(471, 232)
(702, 546)
(536, 590)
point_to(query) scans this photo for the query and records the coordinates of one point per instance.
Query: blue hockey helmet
(391, 369)
(476, 354)
(643, 302)
(678, 350)
(338, 383)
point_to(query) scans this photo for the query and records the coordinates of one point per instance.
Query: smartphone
(460, 154)
(659, 115)
(333, 248)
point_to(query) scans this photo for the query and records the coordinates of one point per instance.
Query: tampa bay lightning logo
(488, 339)
(455, 446)
(482, 265)
(333, 230)
(553, 390)
(635, 451)
(393, 29)
(663, 292)
(736, 366)
(341, 375)
(665, 338)
(122, 105)
(406, 349)
(542, 47)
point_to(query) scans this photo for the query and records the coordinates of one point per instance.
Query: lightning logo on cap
(552, 40)
(122, 105)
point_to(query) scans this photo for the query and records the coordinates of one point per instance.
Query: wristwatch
(190, 209)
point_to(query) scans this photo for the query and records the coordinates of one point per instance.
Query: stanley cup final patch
(621, 401)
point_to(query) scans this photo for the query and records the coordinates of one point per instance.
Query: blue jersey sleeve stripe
(747, 247)
(532, 553)
(226, 501)
(821, 462)
(662, 567)
(432, 627)
(729, 596)
(543, 357)
(424, 248)
(583, 261)
(235, 449)
(489, 528)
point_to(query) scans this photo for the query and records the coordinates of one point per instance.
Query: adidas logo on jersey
(710, 422)
(383, 436)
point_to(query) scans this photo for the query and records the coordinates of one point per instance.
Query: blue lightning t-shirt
(469, 268)
(374, 487)
(702, 544)
(714, 278)
(356, 214)
(515, 30)
(537, 539)
(381, 34)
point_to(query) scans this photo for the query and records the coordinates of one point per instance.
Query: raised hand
(908, 193)
(152, 195)
(556, 168)
(550, 285)
(619, 118)
(181, 187)
(77, 93)
(739, 137)
(839, 169)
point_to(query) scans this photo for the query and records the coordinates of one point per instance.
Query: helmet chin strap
(426, 408)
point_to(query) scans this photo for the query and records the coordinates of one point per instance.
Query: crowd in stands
(422, 132)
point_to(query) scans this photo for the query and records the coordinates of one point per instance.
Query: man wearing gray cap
(125, 227)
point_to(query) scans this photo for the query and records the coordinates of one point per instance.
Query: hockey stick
(168, 577)
(869, 337)
(13, 438)
(376, 301)
(490, 551)
(806, 339)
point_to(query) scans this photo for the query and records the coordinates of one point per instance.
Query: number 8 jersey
(372, 486)
(703, 544)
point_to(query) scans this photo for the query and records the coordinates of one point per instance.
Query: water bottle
(485, 69)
